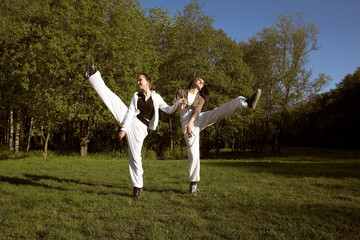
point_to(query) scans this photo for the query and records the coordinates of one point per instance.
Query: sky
(337, 20)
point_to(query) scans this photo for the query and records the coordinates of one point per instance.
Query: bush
(148, 154)
(177, 154)
(4, 148)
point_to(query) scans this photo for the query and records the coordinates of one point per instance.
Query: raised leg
(111, 100)
(208, 118)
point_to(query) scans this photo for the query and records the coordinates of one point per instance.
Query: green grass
(299, 194)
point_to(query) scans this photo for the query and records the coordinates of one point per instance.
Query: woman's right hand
(189, 131)
(121, 135)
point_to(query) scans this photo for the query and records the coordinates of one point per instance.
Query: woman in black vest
(142, 114)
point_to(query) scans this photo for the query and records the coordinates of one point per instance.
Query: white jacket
(123, 114)
(158, 101)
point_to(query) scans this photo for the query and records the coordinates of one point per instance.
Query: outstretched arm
(180, 103)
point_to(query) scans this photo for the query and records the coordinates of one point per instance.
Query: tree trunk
(171, 137)
(84, 149)
(217, 144)
(267, 130)
(269, 111)
(243, 140)
(42, 136)
(29, 137)
(17, 137)
(233, 144)
(17, 132)
(86, 128)
(84, 141)
(71, 138)
(11, 131)
(46, 144)
(6, 132)
(21, 134)
(279, 133)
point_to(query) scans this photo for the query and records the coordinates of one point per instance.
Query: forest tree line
(46, 103)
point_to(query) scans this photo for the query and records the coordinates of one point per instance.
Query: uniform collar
(140, 94)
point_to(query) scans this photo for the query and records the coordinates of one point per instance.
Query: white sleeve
(165, 107)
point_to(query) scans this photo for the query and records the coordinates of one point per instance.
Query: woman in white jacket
(142, 114)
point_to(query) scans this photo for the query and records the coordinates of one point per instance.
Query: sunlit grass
(299, 194)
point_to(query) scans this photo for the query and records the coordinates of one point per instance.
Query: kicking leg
(208, 118)
(111, 100)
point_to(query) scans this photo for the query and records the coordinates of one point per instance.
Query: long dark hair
(204, 92)
(148, 78)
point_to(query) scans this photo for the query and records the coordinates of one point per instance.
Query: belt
(143, 120)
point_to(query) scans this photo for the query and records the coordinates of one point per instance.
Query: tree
(329, 119)
(19, 30)
(283, 50)
(186, 45)
(296, 40)
(230, 78)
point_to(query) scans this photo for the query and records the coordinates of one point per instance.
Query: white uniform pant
(135, 134)
(204, 120)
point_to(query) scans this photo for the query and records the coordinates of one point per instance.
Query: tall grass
(299, 194)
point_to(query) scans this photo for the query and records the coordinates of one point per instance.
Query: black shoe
(193, 188)
(137, 192)
(90, 69)
(253, 100)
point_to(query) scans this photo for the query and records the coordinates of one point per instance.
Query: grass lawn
(298, 194)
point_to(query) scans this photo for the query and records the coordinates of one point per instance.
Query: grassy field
(298, 194)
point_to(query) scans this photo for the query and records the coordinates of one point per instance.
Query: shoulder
(156, 97)
(134, 97)
(182, 92)
(155, 94)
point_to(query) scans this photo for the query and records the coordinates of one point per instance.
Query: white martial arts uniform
(136, 131)
(204, 120)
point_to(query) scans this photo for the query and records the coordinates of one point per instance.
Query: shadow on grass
(4, 157)
(30, 180)
(164, 190)
(307, 169)
(61, 180)
(22, 181)
(317, 153)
